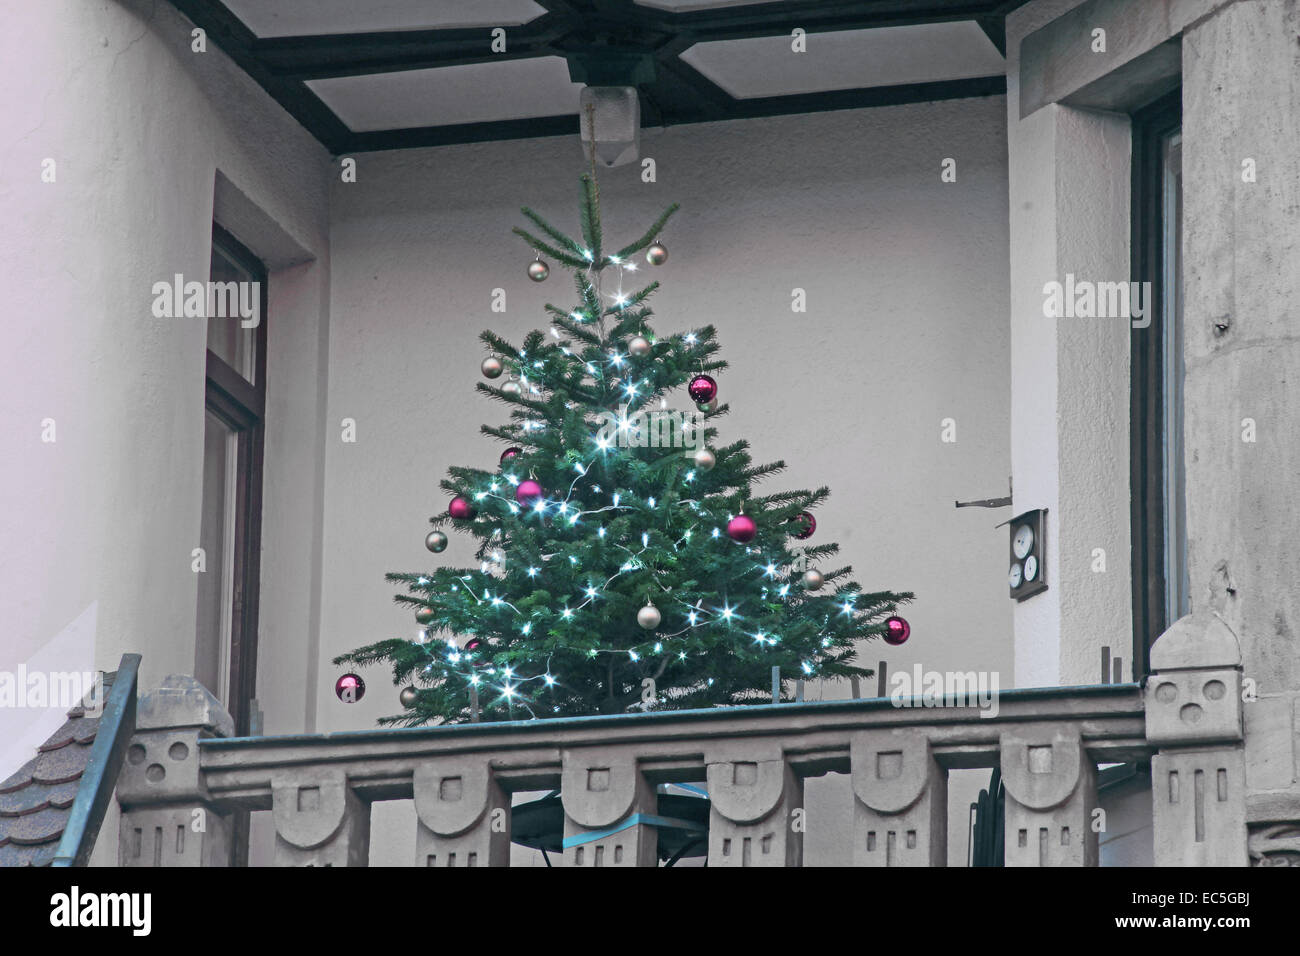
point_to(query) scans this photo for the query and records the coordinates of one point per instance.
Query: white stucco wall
(106, 517)
(1069, 213)
(906, 325)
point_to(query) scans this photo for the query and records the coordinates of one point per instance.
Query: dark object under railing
(100, 776)
(986, 846)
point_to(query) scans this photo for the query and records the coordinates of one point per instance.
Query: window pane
(1177, 585)
(235, 293)
(217, 539)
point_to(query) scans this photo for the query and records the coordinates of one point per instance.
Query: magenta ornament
(510, 453)
(528, 492)
(349, 688)
(742, 528)
(897, 630)
(803, 525)
(702, 388)
(460, 508)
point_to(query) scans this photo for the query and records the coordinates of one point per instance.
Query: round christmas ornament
(408, 696)
(639, 346)
(349, 688)
(528, 492)
(492, 367)
(511, 388)
(510, 453)
(460, 508)
(803, 525)
(705, 460)
(742, 528)
(657, 254)
(538, 270)
(702, 389)
(812, 579)
(424, 616)
(897, 630)
(649, 617)
(473, 644)
(436, 542)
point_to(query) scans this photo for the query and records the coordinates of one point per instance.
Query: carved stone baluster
(1194, 715)
(464, 815)
(1051, 785)
(901, 805)
(167, 817)
(605, 796)
(319, 821)
(755, 796)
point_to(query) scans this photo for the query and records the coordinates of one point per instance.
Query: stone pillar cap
(181, 701)
(1198, 640)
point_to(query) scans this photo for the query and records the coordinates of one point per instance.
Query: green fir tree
(619, 588)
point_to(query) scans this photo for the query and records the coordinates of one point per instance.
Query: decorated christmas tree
(623, 559)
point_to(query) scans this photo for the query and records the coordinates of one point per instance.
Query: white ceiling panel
(848, 59)
(287, 18)
(475, 93)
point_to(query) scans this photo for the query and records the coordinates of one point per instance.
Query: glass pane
(217, 539)
(234, 303)
(1177, 584)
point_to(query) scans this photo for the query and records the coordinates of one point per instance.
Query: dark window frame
(241, 405)
(1151, 125)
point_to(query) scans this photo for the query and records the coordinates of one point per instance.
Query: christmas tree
(624, 560)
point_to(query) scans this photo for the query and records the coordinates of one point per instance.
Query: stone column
(1241, 252)
(167, 815)
(464, 815)
(1194, 715)
(1051, 785)
(319, 820)
(756, 819)
(901, 805)
(606, 799)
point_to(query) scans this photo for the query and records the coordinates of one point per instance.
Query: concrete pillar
(1051, 785)
(319, 820)
(757, 813)
(464, 815)
(1241, 252)
(901, 805)
(167, 816)
(1194, 715)
(606, 801)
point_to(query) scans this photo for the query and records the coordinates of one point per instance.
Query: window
(225, 659)
(1160, 582)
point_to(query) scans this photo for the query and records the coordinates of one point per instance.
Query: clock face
(1023, 541)
(1031, 568)
(1013, 576)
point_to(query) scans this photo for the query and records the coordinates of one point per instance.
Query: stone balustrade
(184, 775)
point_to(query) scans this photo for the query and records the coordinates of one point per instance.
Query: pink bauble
(349, 688)
(510, 453)
(742, 528)
(460, 508)
(897, 630)
(702, 388)
(473, 644)
(804, 524)
(528, 492)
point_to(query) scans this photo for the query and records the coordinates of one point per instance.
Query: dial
(1023, 541)
(1031, 568)
(1013, 576)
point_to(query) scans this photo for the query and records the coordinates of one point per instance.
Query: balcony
(179, 766)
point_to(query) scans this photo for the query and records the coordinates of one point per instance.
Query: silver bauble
(511, 388)
(407, 696)
(649, 617)
(812, 579)
(639, 346)
(704, 460)
(436, 542)
(538, 270)
(492, 367)
(656, 255)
